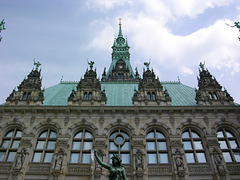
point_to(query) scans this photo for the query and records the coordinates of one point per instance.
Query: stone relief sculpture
(139, 160)
(117, 171)
(20, 158)
(218, 160)
(59, 160)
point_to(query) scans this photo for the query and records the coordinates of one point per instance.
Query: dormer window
(149, 96)
(85, 96)
(24, 96)
(210, 95)
(29, 95)
(90, 96)
(153, 96)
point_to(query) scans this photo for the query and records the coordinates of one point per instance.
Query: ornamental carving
(138, 143)
(62, 143)
(200, 170)
(20, 158)
(5, 168)
(25, 143)
(39, 169)
(176, 143)
(212, 142)
(172, 121)
(233, 169)
(101, 121)
(79, 170)
(160, 170)
(218, 160)
(100, 143)
(139, 160)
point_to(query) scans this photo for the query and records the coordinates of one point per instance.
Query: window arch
(85, 96)
(9, 145)
(90, 96)
(45, 147)
(229, 145)
(210, 95)
(119, 143)
(24, 96)
(29, 95)
(149, 96)
(153, 96)
(157, 151)
(82, 142)
(193, 147)
(215, 96)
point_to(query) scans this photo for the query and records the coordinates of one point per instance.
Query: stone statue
(59, 160)
(178, 159)
(147, 64)
(20, 158)
(139, 160)
(117, 171)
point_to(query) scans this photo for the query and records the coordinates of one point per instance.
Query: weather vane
(237, 25)
(2, 27)
(120, 19)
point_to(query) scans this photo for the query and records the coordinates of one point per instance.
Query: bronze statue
(202, 65)
(237, 25)
(2, 27)
(90, 64)
(37, 64)
(117, 171)
(147, 64)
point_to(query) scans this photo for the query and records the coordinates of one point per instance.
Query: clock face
(120, 66)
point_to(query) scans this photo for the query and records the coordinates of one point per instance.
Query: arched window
(215, 96)
(90, 96)
(210, 95)
(193, 147)
(119, 143)
(9, 145)
(28, 96)
(82, 142)
(24, 96)
(149, 96)
(45, 147)
(153, 96)
(229, 145)
(157, 151)
(85, 96)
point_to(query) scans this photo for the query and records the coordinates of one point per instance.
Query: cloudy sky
(175, 34)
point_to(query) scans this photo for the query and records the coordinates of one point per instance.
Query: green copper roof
(181, 95)
(58, 95)
(119, 94)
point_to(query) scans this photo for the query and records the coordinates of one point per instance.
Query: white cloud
(186, 71)
(106, 4)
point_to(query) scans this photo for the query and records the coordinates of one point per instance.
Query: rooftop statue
(90, 64)
(237, 25)
(2, 27)
(37, 64)
(117, 171)
(147, 64)
(202, 65)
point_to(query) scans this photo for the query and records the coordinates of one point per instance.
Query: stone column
(100, 145)
(178, 160)
(139, 158)
(216, 159)
(60, 159)
(20, 164)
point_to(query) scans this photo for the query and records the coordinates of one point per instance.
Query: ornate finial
(90, 64)
(178, 79)
(37, 64)
(120, 23)
(61, 79)
(202, 65)
(147, 64)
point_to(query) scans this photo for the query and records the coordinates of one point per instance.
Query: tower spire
(120, 28)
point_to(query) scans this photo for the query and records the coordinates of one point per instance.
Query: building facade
(161, 130)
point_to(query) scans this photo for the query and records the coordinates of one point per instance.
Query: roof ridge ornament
(37, 64)
(202, 66)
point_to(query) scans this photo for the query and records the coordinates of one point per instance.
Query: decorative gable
(209, 91)
(29, 91)
(88, 90)
(150, 91)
